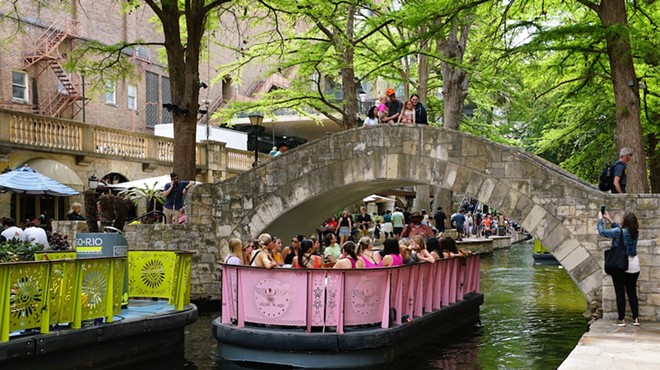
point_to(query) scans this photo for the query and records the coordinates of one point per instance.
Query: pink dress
(369, 264)
(397, 260)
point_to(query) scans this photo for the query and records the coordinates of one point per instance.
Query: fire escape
(44, 54)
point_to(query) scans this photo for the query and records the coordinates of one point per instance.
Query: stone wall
(194, 237)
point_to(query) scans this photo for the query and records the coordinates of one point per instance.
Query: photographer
(173, 193)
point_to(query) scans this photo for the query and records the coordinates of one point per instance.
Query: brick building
(36, 43)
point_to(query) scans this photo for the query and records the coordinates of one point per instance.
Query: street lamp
(93, 182)
(255, 120)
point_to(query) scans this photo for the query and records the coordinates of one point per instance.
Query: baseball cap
(390, 91)
(625, 151)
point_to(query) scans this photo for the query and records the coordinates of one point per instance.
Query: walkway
(606, 346)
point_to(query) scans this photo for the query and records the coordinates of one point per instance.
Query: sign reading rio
(101, 244)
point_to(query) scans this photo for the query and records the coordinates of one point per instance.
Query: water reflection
(531, 319)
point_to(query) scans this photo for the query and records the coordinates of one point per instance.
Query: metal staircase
(45, 53)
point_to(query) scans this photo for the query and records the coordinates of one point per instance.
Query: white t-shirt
(233, 260)
(633, 264)
(37, 235)
(14, 232)
(370, 121)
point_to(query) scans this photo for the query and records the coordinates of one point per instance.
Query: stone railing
(40, 131)
(36, 132)
(238, 161)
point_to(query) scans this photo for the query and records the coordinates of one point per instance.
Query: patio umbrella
(25, 180)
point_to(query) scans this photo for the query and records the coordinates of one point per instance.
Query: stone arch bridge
(296, 192)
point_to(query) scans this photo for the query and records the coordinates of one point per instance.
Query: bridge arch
(296, 192)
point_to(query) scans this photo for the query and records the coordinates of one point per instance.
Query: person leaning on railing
(421, 253)
(262, 256)
(390, 253)
(248, 248)
(235, 255)
(349, 260)
(370, 258)
(449, 248)
(433, 247)
(306, 257)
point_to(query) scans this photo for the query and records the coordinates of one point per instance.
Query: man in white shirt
(35, 234)
(11, 231)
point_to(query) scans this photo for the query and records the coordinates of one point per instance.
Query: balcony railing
(339, 298)
(51, 134)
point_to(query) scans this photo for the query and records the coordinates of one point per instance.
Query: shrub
(14, 251)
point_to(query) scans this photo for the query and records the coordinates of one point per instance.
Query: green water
(531, 319)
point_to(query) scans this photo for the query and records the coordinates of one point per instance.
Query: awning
(377, 199)
(56, 170)
(150, 182)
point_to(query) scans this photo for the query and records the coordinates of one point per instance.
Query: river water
(531, 319)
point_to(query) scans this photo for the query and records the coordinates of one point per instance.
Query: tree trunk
(183, 68)
(454, 79)
(423, 68)
(654, 162)
(628, 133)
(349, 85)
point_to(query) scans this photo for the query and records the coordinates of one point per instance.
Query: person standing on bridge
(624, 282)
(620, 180)
(394, 107)
(420, 111)
(173, 193)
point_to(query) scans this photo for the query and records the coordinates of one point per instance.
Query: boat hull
(112, 345)
(356, 347)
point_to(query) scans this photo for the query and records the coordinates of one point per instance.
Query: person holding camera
(625, 282)
(173, 193)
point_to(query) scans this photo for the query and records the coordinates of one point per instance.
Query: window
(61, 89)
(132, 97)
(110, 93)
(19, 86)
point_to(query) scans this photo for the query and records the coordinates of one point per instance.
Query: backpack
(606, 178)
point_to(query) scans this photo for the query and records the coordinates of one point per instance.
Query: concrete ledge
(481, 245)
(606, 346)
(501, 242)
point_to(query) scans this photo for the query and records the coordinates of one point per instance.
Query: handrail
(20, 129)
(340, 298)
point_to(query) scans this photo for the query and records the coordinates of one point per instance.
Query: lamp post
(93, 182)
(255, 120)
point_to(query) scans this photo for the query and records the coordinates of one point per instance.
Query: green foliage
(152, 195)
(58, 242)
(15, 251)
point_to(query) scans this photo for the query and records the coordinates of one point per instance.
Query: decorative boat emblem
(272, 297)
(364, 296)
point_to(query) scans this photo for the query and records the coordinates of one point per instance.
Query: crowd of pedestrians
(409, 239)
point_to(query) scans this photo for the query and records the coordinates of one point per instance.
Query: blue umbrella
(25, 180)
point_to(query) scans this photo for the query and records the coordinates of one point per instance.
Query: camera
(602, 209)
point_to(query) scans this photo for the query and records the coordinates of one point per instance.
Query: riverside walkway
(607, 346)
